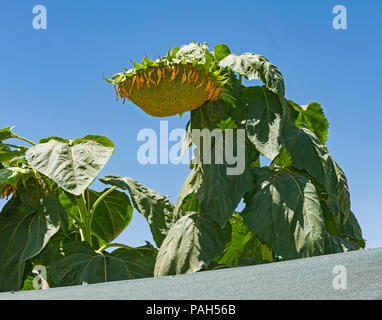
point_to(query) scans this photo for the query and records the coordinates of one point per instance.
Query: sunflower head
(182, 81)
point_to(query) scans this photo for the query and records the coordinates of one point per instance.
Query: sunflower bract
(170, 85)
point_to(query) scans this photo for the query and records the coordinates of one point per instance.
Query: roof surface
(308, 278)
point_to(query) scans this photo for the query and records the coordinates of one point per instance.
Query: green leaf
(221, 51)
(112, 215)
(227, 124)
(243, 245)
(27, 222)
(72, 167)
(6, 133)
(139, 262)
(348, 229)
(313, 118)
(106, 142)
(264, 120)
(285, 213)
(310, 155)
(335, 244)
(187, 200)
(256, 67)
(192, 243)
(156, 208)
(44, 140)
(81, 264)
(6, 154)
(220, 190)
(283, 159)
(28, 284)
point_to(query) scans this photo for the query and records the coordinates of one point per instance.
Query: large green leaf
(264, 120)
(313, 118)
(156, 208)
(309, 154)
(27, 222)
(112, 215)
(285, 213)
(192, 243)
(256, 67)
(218, 190)
(244, 245)
(81, 264)
(73, 166)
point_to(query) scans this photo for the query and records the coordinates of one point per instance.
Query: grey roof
(308, 278)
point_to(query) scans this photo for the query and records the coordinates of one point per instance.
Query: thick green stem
(86, 234)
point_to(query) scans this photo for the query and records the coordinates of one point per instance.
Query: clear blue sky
(51, 80)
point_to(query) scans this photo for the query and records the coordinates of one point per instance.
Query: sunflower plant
(297, 204)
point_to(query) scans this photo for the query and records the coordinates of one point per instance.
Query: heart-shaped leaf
(73, 166)
(81, 264)
(27, 222)
(284, 211)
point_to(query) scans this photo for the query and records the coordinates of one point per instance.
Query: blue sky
(51, 80)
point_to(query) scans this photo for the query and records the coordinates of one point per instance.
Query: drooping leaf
(192, 243)
(156, 208)
(285, 213)
(112, 215)
(263, 120)
(256, 67)
(309, 154)
(313, 118)
(244, 245)
(27, 222)
(224, 181)
(72, 166)
(221, 51)
(81, 264)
